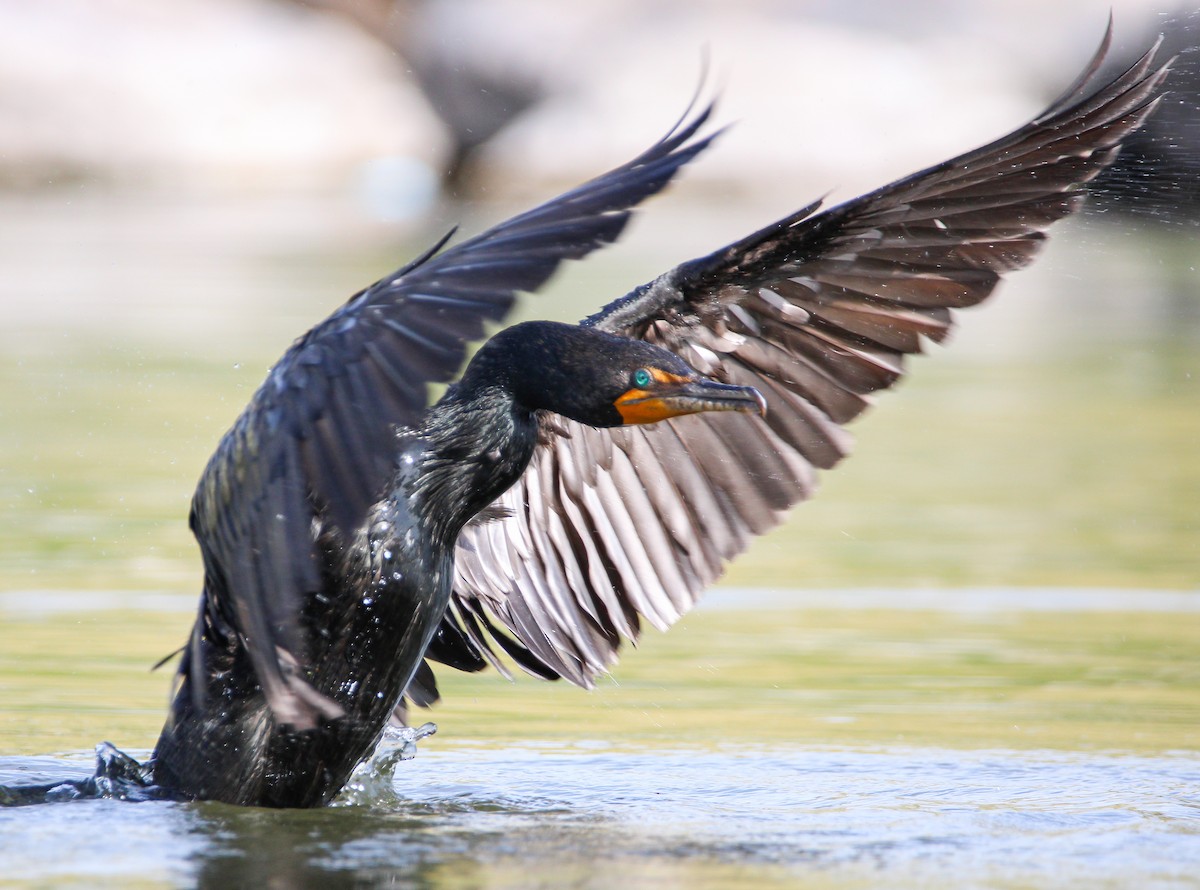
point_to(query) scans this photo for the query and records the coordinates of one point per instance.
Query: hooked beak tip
(752, 402)
(761, 401)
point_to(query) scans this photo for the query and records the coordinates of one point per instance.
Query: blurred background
(186, 187)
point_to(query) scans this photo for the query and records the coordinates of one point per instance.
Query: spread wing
(817, 311)
(300, 468)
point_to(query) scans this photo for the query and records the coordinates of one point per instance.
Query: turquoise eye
(641, 378)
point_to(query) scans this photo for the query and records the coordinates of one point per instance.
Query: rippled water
(1034, 738)
(590, 816)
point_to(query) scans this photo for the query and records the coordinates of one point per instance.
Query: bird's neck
(473, 446)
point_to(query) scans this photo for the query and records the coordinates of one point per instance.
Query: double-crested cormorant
(349, 532)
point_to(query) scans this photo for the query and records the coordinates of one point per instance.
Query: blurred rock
(197, 94)
(452, 52)
(267, 94)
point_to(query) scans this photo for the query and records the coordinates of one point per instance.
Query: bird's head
(601, 379)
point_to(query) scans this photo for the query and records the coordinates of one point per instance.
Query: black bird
(349, 532)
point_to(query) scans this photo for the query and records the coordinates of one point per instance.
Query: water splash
(373, 781)
(117, 777)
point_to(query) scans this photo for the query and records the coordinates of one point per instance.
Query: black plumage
(335, 518)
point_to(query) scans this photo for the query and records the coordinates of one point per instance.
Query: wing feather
(818, 311)
(317, 442)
